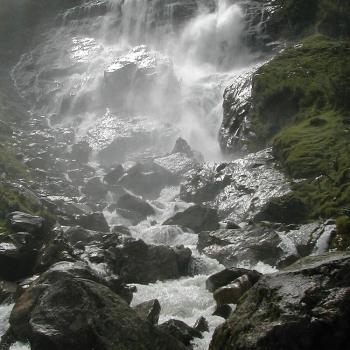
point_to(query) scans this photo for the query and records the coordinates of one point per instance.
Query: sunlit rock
(141, 80)
(302, 307)
(197, 218)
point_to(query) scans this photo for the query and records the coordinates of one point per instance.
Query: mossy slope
(301, 105)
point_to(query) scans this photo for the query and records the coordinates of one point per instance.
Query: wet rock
(56, 249)
(94, 188)
(77, 234)
(148, 180)
(93, 221)
(138, 77)
(235, 132)
(81, 152)
(112, 177)
(253, 243)
(149, 311)
(134, 208)
(223, 311)
(137, 262)
(303, 307)
(181, 331)
(231, 293)
(18, 252)
(286, 209)
(231, 225)
(83, 313)
(201, 325)
(199, 191)
(7, 290)
(198, 218)
(227, 276)
(22, 222)
(181, 146)
(240, 189)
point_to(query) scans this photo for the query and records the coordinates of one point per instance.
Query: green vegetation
(302, 108)
(299, 18)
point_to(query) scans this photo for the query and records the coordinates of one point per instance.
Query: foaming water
(5, 311)
(93, 65)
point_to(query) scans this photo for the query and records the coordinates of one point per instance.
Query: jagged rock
(139, 76)
(181, 331)
(201, 325)
(94, 188)
(223, 311)
(253, 243)
(93, 221)
(303, 307)
(112, 177)
(235, 131)
(148, 180)
(286, 209)
(227, 276)
(77, 234)
(137, 262)
(7, 290)
(18, 252)
(81, 152)
(149, 310)
(61, 310)
(198, 218)
(56, 249)
(231, 225)
(22, 222)
(181, 146)
(231, 293)
(206, 191)
(134, 208)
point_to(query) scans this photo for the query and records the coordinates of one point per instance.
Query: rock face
(22, 222)
(304, 307)
(139, 80)
(148, 179)
(61, 311)
(181, 331)
(256, 243)
(198, 218)
(18, 252)
(93, 221)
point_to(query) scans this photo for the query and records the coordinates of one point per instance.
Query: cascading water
(145, 72)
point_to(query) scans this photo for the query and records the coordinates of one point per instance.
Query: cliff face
(298, 102)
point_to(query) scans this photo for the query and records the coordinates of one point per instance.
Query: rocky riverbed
(169, 179)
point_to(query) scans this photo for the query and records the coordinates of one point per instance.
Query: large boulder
(198, 218)
(137, 262)
(253, 243)
(92, 221)
(149, 310)
(18, 252)
(227, 276)
(181, 331)
(140, 80)
(62, 311)
(133, 208)
(304, 307)
(23, 222)
(148, 179)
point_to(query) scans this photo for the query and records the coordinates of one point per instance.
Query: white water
(201, 57)
(204, 53)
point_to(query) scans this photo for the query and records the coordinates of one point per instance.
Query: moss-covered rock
(300, 105)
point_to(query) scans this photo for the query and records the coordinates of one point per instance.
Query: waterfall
(171, 61)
